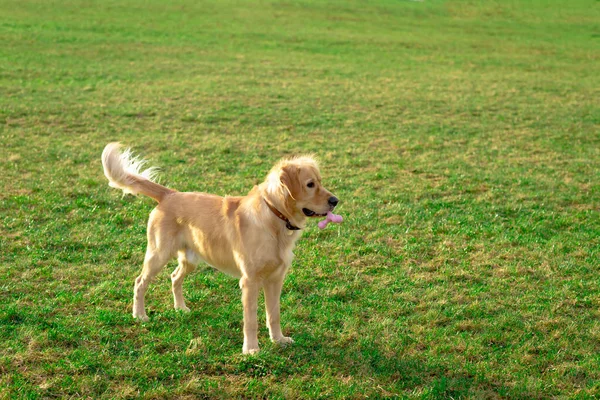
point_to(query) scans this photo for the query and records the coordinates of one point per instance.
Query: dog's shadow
(213, 345)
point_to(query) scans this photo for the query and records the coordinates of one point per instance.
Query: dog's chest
(286, 247)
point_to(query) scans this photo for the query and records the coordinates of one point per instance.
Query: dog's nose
(333, 201)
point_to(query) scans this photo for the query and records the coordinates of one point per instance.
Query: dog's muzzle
(332, 201)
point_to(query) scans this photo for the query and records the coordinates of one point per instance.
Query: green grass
(462, 138)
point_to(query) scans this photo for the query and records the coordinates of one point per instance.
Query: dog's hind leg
(153, 263)
(186, 266)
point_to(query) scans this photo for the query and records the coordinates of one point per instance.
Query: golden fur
(240, 236)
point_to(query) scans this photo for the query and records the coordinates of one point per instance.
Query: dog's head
(298, 181)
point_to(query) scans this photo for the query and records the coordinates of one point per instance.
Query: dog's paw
(254, 350)
(141, 318)
(185, 309)
(283, 341)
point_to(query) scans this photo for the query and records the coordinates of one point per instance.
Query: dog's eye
(311, 185)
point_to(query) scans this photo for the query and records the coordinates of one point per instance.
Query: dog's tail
(125, 171)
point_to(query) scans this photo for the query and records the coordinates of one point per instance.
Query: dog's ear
(289, 180)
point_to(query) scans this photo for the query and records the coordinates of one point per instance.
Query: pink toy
(336, 219)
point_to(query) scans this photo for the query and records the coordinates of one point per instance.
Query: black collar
(282, 217)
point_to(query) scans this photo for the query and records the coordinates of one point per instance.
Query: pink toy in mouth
(336, 219)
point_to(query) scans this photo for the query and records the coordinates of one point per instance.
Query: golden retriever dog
(250, 238)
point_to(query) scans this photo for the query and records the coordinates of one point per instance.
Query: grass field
(462, 138)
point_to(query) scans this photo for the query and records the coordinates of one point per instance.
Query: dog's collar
(282, 217)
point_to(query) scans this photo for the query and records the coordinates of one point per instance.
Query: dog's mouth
(311, 213)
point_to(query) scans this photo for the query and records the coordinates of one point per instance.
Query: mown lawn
(462, 138)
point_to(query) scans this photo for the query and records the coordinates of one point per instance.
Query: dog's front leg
(250, 290)
(272, 294)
